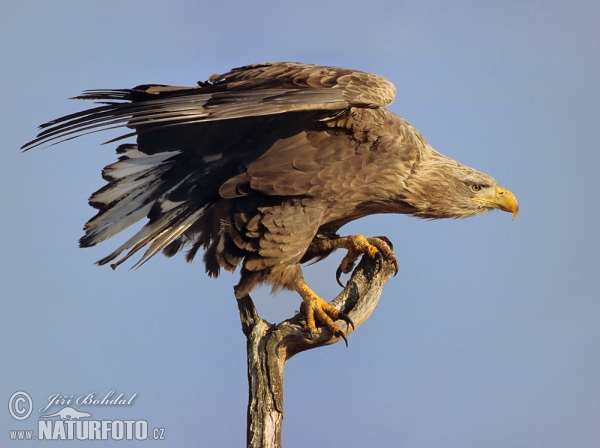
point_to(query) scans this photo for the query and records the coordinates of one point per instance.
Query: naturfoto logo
(71, 423)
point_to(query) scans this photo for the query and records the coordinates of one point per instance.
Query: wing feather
(251, 91)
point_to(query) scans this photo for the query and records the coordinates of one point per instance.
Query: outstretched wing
(249, 91)
(193, 141)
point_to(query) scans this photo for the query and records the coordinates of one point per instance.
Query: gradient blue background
(489, 335)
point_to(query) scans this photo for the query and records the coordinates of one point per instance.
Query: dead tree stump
(270, 346)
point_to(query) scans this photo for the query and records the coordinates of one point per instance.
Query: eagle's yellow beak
(503, 200)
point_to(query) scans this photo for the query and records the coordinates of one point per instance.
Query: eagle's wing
(249, 91)
(246, 129)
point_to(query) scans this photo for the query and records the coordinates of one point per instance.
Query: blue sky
(489, 334)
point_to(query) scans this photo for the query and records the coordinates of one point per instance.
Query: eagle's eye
(475, 188)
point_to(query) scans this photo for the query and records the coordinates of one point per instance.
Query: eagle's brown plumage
(262, 165)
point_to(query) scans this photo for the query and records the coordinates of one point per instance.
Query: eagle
(260, 167)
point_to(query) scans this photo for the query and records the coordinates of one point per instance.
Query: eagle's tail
(136, 188)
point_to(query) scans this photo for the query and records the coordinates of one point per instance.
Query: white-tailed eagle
(261, 166)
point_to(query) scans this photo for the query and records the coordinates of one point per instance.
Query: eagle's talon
(315, 309)
(346, 265)
(385, 251)
(386, 240)
(343, 316)
(311, 334)
(338, 275)
(343, 336)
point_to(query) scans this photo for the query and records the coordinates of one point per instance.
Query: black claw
(338, 275)
(343, 336)
(343, 316)
(379, 262)
(387, 240)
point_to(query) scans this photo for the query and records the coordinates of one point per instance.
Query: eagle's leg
(314, 307)
(356, 245)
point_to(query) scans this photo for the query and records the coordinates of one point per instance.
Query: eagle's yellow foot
(315, 308)
(377, 247)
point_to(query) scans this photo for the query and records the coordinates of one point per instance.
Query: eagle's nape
(261, 166)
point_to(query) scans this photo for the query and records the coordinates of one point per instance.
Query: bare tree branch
(270, 346)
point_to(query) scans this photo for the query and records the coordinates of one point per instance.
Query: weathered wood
(265, 379)
(270, 346)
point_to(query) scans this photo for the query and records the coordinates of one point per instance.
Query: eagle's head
(443, 188)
